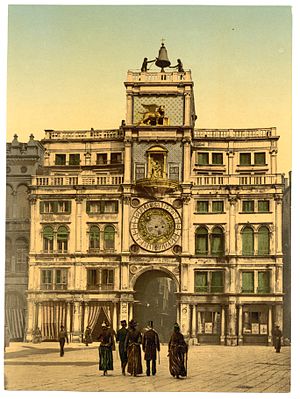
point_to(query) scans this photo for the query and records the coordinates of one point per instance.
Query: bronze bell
(162, 61)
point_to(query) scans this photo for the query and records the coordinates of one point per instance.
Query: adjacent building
(23, 160)
(191, 216)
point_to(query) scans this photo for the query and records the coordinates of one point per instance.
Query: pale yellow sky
(67, 65)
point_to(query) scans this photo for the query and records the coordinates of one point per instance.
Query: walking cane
(186, 359)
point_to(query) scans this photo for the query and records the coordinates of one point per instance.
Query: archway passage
(155, 300)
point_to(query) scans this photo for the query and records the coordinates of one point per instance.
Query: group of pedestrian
(131, 340)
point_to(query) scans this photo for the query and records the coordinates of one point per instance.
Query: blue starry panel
(173, 106)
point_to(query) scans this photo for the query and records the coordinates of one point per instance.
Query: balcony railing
(235, 133)
(238, 180)
(82, 134)
(85, 180)
(138, 76)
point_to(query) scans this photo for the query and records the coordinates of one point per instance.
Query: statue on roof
(144, 65)
(179, 66)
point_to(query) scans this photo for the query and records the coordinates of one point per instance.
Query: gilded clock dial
(156, 226)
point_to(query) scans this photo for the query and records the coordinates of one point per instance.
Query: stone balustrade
(86, 180)
(138, 76)
(235, 133)
(83, 134)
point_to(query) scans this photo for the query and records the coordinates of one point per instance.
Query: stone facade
(199, 210)
(23, 161)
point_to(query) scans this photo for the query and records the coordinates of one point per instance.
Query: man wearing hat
(150, 345)
(62, 338)
(120, 337)
(277, 334)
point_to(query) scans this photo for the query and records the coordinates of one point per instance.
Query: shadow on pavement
(53, 363)
(31, 351)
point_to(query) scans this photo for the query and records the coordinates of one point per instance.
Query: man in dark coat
(177, 353)
(277, 334)
(88, 336)
(62, 338)
(120, 337)
(150, 345)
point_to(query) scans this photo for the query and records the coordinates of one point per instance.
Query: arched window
(263, 241)
(217, 242)
(48, 239)
(23, 207)
(201, 241)
(248, 241)
(9, 202)
(62, 239)
(21, 254)
(8, 254)
(94, 238)
(109, 237)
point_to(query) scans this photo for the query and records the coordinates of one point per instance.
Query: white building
(158, 215)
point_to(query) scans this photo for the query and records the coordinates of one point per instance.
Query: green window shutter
(202, 206)
(264, 282)
(201, 283)
(201, 241)
(202, 158)
(217, 242)
(68, 206)
(248, 206)
(263, 206)
(245, 159)
(263, 241)
(217, 206)
(260, 158)
(62, 234)
(88, 207)
(217, 284)
(48, 233)
(248, 282)
(217, 158)
(247, 241)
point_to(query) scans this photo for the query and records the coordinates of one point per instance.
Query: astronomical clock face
(155, 226)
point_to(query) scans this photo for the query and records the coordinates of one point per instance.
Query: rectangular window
(263, 206)
(60, 159)
(107, 279)
(263, 282)
(245, 158)
(217, 206)
(64, 207)
(116, 157)
(101, 159)
(55, 207)
(202, 206)
(102, 206)
(202, 158)
(173, 172)
(217, 158)
(201, 282)
(46, 279)
(92, 279)
(74, 159)
(216, 283)
(248, 282)
(139, 171)
(61, 276)
(259, 158)
(248, 206)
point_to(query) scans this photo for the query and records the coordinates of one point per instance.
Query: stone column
(127, 162)
(186, 160)
(185, 319)
(39, 315)
(231, 338)
(77, 322)
(240, 333)
(33, 225)
(130, 311)
(194, 321)
(187, 109)
(185, 225)
(178, 313)
(230, 162)
(222, 337)
(115, 321)
(278, 224)
(129, 119)
(124, 311)
(278, 316)
(124, 275)
(86, 314)
(232, 224)
(30, 320)
(78, 226)
(273, 154)
(270, 325)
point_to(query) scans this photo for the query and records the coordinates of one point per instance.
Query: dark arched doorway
(155, 300)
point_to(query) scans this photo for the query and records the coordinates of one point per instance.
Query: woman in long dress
(177, 353)
(133, 347)
(105, 349)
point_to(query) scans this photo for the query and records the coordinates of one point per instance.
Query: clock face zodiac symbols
(155, 226)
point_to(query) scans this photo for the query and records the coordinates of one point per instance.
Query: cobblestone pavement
(210, 369)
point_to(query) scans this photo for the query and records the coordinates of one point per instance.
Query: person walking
(88, 336)
(177, 354)
(277, 334)
(105, 349)
(150, 345)
(120, 337)
(132, 344)
(62, 338)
